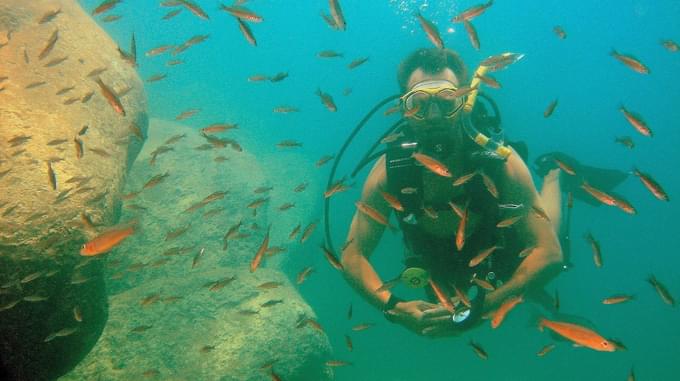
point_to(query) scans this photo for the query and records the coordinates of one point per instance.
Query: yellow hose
(472, 96)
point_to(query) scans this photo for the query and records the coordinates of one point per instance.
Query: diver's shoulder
(515, 167)
(377, 177)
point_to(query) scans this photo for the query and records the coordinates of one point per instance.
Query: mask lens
(447, 102)
(417, 101)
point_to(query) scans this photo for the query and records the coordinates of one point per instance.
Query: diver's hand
(440, 323)
(445, 324)
(416, 315)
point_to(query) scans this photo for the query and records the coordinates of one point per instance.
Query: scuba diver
(476, 230)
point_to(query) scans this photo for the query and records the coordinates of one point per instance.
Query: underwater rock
(181, 305)
(211, 191)
(216, 324)
(65, 149)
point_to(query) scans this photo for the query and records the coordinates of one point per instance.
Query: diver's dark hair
(431, 61)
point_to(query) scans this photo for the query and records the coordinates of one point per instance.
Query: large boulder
(185, 306)
(64, 154)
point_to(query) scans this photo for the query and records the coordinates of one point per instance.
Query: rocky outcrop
(183, 304)
(213, 325)
(64, 154)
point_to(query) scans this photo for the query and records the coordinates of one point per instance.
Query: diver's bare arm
(545, 260)
(364, 235)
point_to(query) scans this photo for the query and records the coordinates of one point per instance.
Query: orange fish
(472, 34)
(565, 167)
(460, 233)
(357, 62)
(464, 179)
(324, 159)
(479, 258)
(393, 201)
(247, 33)
(430, 30)
(599, 195)
(411, 112)
(636, 121)
(503, 310)
(348, 341)
(362, 327)
(51, 177)
(442, 297)
(106, 241)
(508, 222)
(373, 214)
(336, 13)
(111, 97)
(617, 299)
(327, 100)
(550, 109)
(625, 141)
(478, 350)
(489, 81)
(105, 6)
(242, 13)
(661, 290)
(194, 8)
(472, 12)
(630, 61)
(432, 164)
(302, 275)
(332, 258)
(489, 184)
(260, 252)
(580, 335)
(624, 205)
(483, 284)
(559, 31)
(544, 351)
(462, 297)
(670, 45)
(651, 185)
(595, 246)
(309, 229)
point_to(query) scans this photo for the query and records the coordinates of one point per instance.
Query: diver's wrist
(389, 305)
(391, 302)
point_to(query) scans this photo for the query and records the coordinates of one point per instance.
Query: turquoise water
(589, 84)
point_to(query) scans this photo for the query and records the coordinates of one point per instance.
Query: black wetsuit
(439, 256)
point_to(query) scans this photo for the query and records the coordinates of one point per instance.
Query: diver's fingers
(437, 320)
(435, 312)
(425, 306)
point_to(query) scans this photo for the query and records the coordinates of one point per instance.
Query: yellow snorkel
(482, 140)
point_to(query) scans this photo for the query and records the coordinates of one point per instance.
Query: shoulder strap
(404, 178)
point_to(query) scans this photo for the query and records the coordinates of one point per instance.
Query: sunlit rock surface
(184, 306)
(49, 104)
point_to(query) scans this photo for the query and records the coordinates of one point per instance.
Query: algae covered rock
(64, 155)
(184, 304)
(214, 325)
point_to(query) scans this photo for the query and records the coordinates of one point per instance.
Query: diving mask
(417, 101)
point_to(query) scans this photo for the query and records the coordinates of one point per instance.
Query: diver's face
(433, 116)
